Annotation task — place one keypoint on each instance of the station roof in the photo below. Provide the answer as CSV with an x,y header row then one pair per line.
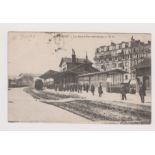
x,y
106,72
61,74
48,74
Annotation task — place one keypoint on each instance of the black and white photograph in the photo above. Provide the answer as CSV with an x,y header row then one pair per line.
x,y
79,77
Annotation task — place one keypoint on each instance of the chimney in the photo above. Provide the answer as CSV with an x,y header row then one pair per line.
x,y
86,58
132,39
73,56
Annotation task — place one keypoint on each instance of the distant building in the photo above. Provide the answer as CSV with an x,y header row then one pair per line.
x,y
22,80
124,56
12,83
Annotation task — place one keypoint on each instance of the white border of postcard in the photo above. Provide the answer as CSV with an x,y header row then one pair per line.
x,y
113,28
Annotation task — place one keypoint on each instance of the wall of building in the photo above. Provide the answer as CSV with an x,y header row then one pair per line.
x,y
123,56
108,81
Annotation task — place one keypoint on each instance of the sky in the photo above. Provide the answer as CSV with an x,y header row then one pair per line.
x,y
38,52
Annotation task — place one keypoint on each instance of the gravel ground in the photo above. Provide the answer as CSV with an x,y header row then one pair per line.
x,y
48,95
99,111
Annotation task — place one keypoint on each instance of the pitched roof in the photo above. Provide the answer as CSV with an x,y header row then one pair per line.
x,y
78,60
84,68
61,74
80,69
48,74
144,64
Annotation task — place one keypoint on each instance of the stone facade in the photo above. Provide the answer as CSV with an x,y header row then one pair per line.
x,y
124,55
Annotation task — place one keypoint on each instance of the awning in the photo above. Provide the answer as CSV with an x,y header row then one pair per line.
x,y
112,71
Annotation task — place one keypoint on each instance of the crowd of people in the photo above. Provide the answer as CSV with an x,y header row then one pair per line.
x,y
80,88
86,87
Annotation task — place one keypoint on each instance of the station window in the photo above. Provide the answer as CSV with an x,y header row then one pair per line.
x,y
126,77
103,67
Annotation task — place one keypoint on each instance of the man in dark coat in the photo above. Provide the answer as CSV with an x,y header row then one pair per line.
x,y
87,88
123,92
92,89
142,92
100,91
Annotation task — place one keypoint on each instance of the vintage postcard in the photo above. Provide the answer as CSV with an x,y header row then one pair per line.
x,y
64,77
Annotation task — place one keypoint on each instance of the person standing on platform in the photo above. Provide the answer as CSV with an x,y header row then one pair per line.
x,y
142,92
100,91
87,88
123,92
80,88
92,89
